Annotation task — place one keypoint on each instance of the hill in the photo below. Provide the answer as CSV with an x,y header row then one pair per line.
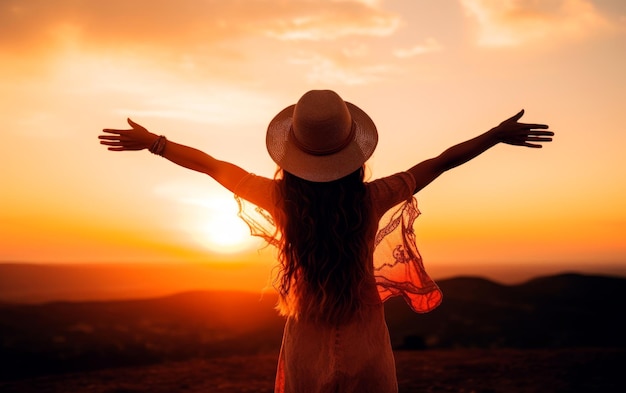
x,y
567,310
563,311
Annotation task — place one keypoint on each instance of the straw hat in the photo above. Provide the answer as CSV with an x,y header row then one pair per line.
x,y
321,138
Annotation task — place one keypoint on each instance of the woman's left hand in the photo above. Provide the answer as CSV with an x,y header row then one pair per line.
x,y
137,138
512,132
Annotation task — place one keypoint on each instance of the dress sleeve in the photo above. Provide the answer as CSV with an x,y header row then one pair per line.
x,y
398,266
256,197
389,191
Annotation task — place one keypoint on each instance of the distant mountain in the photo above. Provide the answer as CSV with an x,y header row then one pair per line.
x,y
567,310
38,283
35,283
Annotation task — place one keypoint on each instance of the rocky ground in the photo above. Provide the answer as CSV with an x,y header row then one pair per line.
x,y
462,370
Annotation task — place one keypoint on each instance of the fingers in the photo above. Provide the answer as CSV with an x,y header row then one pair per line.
x,y
113,131
110,137
525,135
515,118
115,140
518,116
134,125
527,126
123,148
526,144
116,145
540,133
110,140
117,137
119,142
539,138
528,141
531,126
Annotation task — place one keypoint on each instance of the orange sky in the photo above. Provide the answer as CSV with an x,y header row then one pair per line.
x,y
213,73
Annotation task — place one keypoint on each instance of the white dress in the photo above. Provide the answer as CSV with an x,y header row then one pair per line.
x,y
355,356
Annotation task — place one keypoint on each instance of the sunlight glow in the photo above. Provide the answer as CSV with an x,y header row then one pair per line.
x,y
206,216
223,234
218,228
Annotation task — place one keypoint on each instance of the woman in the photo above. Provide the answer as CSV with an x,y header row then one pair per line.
x,y
336,266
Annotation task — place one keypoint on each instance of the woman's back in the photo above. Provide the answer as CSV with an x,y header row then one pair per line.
x,y
325,245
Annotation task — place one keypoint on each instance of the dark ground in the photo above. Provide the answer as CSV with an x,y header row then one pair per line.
x,y
562,333
456,370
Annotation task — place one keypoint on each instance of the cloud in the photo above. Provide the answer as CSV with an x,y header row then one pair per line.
x,y
234,40
340,69
430,45
36,23
343,19
504,23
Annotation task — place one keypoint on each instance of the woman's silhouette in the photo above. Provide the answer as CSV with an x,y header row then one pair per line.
x,y
344,245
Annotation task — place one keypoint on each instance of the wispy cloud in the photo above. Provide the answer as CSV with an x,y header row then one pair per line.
x,y
430,45
516,22
188,22
330,70
331,22
209,39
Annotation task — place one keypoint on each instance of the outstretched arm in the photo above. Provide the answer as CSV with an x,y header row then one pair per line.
x,y
509,131
139,138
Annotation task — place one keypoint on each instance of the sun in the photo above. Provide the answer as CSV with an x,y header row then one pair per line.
x,y
219,229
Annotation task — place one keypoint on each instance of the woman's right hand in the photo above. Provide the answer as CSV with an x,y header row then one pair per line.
x,y
137,138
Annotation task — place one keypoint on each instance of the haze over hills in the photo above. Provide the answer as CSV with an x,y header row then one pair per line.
x,y
35,283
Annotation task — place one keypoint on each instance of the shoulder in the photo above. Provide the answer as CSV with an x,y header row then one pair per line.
x,y
259,190
401,182
388,191
250,180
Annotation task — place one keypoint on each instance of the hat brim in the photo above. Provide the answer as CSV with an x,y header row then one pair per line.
x,y
321,168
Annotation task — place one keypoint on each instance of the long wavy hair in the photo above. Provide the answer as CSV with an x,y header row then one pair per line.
x,y
323,247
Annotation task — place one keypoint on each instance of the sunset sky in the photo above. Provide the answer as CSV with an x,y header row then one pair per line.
x,y
213,73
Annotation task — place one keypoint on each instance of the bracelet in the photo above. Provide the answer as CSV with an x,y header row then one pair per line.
x,y
158,146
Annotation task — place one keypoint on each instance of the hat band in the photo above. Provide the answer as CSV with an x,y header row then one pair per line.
x,y
322,152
